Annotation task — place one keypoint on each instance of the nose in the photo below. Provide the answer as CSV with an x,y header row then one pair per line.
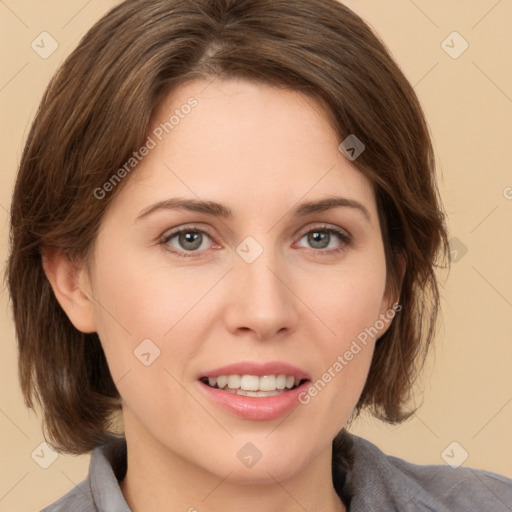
x,y
261,302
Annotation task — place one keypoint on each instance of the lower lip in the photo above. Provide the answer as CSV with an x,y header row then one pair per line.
x,y
255,407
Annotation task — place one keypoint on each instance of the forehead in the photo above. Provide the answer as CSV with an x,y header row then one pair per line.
x,y
244,144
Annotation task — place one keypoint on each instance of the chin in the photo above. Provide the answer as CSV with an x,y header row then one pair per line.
x,y
265,473
258,461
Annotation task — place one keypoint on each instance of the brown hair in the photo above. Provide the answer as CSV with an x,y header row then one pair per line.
x,y
95,114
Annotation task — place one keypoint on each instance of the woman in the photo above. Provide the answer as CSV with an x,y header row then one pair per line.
x,y
229,212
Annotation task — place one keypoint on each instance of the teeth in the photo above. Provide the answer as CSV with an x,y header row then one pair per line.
x,y
281,381
252,385
268,383
222,381
234,381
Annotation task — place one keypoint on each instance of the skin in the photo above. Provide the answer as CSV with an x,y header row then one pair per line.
x,y
260,151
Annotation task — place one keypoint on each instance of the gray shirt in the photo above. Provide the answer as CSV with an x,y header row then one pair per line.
x,y
365,478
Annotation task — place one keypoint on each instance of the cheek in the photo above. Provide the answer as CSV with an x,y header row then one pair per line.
x,y
348,301
139,296
136,312
136,309
349,305
147,320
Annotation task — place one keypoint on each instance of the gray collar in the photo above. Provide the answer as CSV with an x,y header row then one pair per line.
x,y
366,479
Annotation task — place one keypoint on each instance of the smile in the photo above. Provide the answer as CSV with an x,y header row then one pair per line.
x,y
254,385
254,390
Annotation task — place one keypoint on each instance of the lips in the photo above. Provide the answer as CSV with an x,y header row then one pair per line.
x,y
252,390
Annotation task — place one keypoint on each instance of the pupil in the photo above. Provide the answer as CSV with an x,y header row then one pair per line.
x,y
190,240
319,239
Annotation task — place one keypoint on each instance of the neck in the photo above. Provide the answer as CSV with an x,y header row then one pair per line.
x,y
158,480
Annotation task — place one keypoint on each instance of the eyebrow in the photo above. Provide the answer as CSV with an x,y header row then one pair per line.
x,y
219,210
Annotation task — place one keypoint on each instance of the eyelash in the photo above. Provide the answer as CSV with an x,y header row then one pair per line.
x,y
344,237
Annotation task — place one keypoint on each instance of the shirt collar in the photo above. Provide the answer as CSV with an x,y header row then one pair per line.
x,y
107,468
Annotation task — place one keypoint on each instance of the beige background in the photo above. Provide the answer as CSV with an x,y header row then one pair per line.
x,y
467,390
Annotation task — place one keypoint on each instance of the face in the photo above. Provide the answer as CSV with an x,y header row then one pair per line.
x,y
243,251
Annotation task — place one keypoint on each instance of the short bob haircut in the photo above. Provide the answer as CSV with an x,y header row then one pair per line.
x,y
96,112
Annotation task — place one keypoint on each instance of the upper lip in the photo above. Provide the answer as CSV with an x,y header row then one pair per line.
x,y
259,369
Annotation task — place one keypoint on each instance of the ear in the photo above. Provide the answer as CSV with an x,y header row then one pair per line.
x,y
69,285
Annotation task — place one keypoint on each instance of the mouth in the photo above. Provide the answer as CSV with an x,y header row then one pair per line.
x,y
254,385
255,390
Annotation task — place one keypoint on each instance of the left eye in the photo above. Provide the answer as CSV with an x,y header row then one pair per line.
x,y
188,240
323,238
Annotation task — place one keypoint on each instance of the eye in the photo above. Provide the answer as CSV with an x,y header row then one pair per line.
x,y
187,240
324,238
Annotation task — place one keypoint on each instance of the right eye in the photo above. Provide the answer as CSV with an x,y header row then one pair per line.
x,y
187,240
